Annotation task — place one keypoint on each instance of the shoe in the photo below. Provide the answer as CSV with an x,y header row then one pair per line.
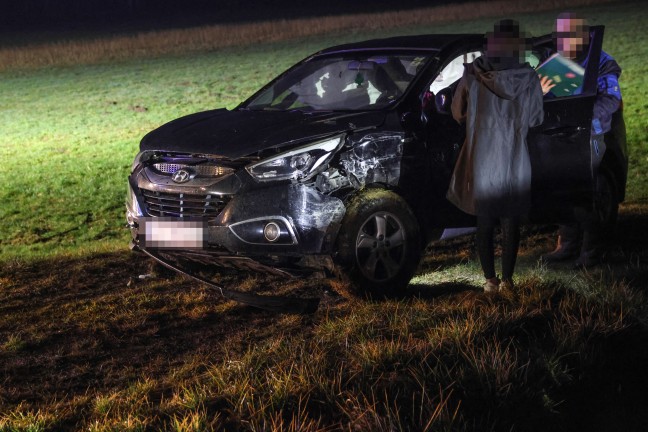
x,y
492,285
561,253
507,285
567,247
591,252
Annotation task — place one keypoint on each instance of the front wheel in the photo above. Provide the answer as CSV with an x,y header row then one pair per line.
x,y
379,244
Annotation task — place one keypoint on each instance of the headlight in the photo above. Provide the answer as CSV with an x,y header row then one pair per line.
x,y
141,158
299,164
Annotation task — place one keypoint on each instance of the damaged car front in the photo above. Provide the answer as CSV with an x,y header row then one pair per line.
x,y
302,176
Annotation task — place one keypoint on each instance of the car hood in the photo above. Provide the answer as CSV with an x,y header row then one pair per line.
x,y
238,133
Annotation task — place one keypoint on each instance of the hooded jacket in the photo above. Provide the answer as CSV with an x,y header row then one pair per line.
x,y
498,101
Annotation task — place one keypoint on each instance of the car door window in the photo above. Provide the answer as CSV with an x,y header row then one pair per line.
x,y
452,71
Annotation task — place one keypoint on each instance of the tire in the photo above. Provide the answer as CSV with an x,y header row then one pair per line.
x,y
606,202
379,244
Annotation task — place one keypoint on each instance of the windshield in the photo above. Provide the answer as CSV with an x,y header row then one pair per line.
x,y
364,81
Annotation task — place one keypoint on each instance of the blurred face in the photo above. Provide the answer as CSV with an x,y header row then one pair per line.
x,y
499,46
506,41
572,37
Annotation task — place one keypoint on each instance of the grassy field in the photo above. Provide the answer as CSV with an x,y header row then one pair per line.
x,y
85,344
79,126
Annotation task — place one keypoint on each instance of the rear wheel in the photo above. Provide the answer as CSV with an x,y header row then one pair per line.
x,y
379,244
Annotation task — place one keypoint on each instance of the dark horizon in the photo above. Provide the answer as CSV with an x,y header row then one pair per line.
x,y
134,15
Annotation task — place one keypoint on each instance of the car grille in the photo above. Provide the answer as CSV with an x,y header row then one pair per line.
x,y
163,204
202,170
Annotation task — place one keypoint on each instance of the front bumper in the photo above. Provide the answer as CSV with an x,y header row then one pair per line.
x,y
307,220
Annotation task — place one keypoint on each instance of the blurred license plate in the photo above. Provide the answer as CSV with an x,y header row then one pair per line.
x,y
169,233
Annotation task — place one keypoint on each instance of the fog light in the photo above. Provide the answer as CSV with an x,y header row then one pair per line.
x,y
271,232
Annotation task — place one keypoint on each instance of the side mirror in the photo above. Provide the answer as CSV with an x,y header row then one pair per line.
x,y
443,101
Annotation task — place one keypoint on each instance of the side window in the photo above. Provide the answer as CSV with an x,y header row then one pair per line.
x,y
452,71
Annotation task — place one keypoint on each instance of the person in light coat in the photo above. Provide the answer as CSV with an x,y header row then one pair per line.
x,y
498,98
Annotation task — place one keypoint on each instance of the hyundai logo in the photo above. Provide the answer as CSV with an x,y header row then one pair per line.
x,y
183,175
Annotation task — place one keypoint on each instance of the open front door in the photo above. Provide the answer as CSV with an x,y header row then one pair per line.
x,y
560,148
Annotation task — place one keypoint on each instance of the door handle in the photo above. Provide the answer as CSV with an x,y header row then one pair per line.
x,y
563,131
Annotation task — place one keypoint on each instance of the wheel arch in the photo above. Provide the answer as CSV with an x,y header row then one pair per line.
x,y
411,203
382,204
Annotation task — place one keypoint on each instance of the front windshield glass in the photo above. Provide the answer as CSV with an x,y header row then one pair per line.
x,y
360,82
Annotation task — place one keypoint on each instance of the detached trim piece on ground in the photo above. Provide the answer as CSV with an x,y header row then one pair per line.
x,y
269,303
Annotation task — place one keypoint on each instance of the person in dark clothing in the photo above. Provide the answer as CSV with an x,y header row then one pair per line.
x,y
498,98
583,240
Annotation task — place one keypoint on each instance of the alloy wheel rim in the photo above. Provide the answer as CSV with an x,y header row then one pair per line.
x,y
380,246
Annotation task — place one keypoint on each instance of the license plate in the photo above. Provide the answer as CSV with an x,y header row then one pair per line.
x,y
169,233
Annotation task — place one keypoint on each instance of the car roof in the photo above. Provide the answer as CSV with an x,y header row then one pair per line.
x,y
428,42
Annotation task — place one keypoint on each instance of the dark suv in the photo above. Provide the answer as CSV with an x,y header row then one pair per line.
x,y
343,162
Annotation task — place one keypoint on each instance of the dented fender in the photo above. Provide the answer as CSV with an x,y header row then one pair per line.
x,y
309,217
373,158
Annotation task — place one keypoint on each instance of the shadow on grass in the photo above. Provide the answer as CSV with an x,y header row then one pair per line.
x,y
436,290
627,257
70,325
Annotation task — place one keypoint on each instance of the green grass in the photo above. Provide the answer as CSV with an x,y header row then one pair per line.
x,y
166,355
70,134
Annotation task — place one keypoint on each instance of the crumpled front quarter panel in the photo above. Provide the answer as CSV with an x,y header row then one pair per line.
x,y
314,216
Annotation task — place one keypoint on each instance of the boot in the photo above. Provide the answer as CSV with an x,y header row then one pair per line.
x,y
567,247
492,285
591,252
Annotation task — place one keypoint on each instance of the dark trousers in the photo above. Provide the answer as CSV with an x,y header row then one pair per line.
x,y
510,227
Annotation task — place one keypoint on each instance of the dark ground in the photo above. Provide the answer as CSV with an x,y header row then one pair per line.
x,y
91,325
63,291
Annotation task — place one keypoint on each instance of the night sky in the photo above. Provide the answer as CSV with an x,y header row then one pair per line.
x,y
25,15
